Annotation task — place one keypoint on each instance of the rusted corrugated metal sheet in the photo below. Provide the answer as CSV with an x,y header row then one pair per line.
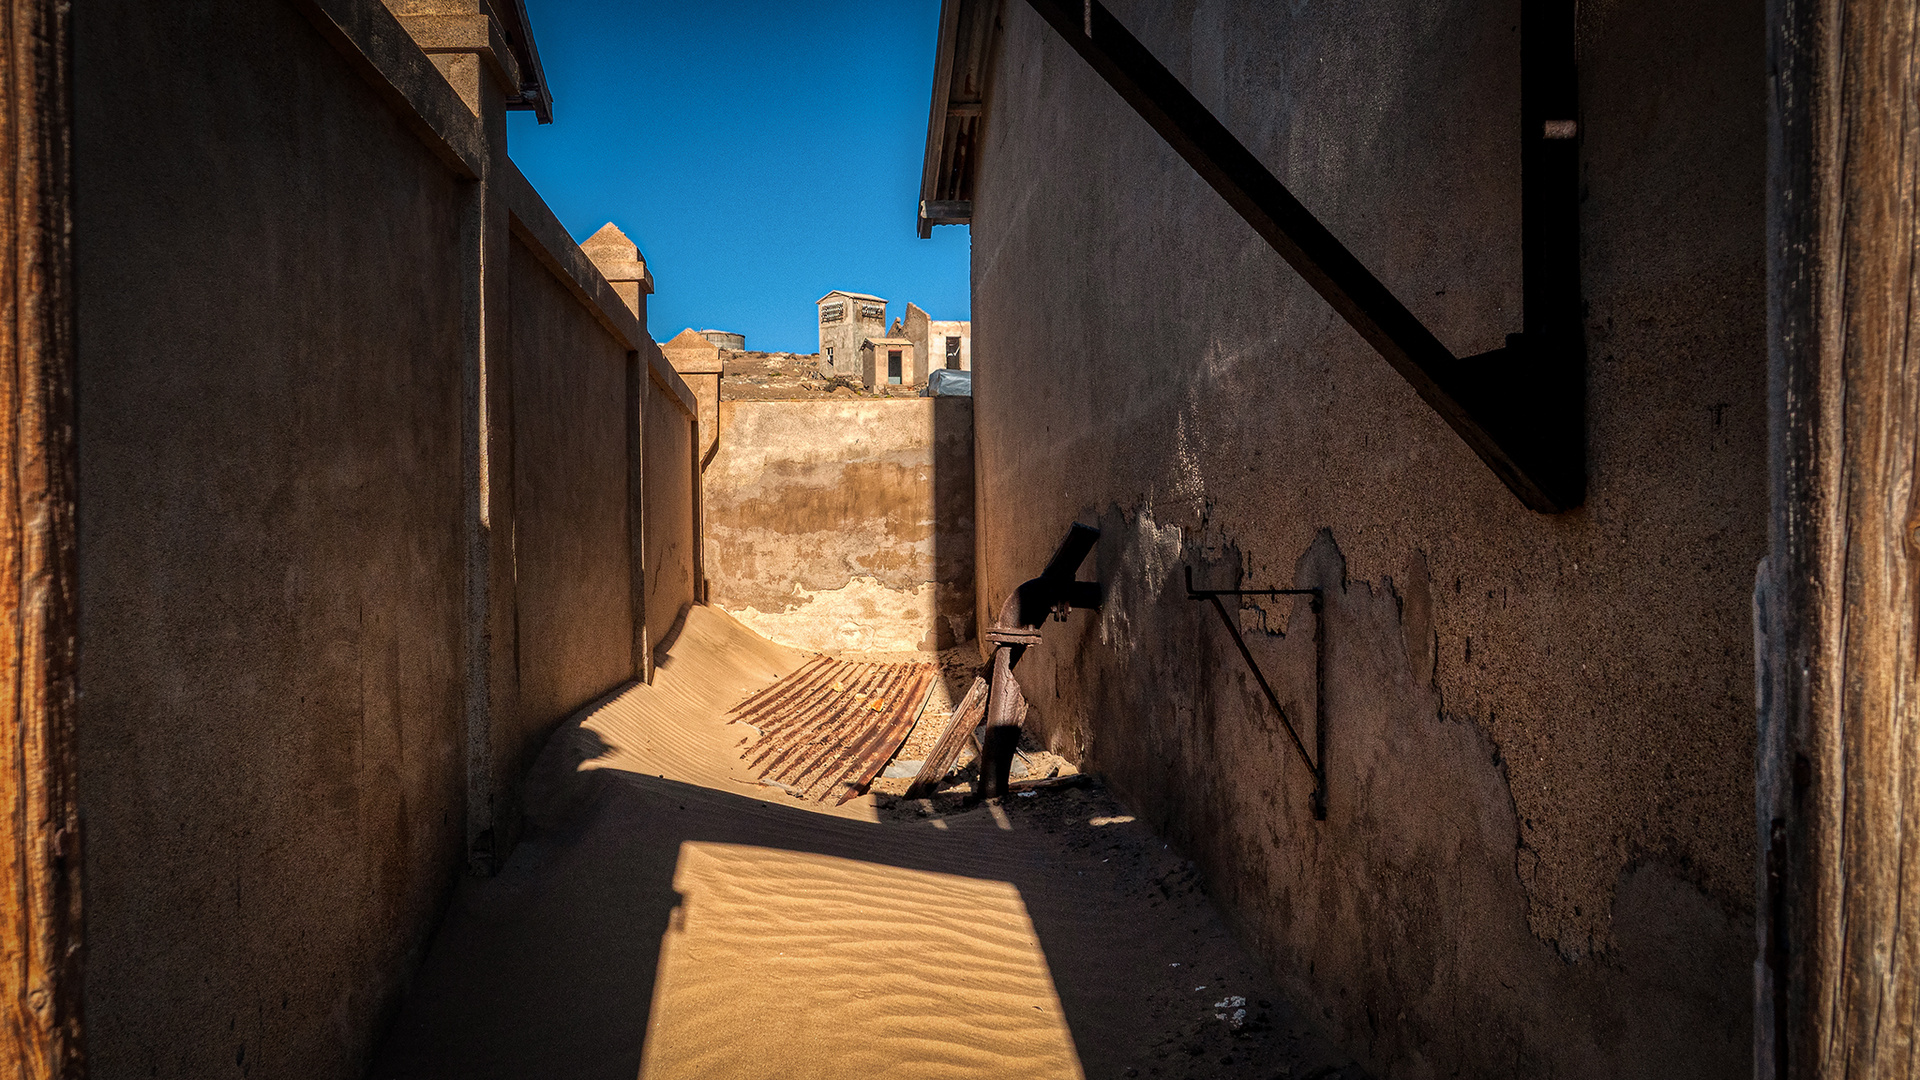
x,y
828,728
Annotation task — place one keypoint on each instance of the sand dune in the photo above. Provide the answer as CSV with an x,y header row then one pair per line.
x,y
676,728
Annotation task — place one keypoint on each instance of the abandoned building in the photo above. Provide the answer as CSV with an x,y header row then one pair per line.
x,y
846,321
1429,587
938,343
855,325
887,361
726,339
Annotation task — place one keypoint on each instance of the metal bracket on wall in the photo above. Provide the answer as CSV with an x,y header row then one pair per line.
x,y
1315,762
1521,408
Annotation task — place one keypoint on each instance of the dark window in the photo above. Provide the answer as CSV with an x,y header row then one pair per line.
x,y
893,366
953,354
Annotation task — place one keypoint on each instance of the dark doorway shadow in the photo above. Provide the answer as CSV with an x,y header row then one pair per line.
x,y
953,522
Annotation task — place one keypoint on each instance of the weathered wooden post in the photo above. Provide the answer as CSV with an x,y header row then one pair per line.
x,y
1837,601
40,923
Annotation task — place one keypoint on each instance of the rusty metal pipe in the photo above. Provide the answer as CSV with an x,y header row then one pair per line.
x,y
1054,592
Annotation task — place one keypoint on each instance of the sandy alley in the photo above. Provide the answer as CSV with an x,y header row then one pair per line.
x,y
666,918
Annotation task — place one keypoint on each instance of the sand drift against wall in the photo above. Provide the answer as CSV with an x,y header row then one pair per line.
x,y
670,917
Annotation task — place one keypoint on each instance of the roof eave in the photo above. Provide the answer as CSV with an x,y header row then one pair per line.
x,y
957,111
534,94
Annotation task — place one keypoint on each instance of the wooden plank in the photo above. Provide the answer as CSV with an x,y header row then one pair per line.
x,y
946,750
1049,783
947,212
40,916
1837,600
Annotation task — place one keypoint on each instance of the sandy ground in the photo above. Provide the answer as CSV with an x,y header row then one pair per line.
x,y
668,917
958,668
764,376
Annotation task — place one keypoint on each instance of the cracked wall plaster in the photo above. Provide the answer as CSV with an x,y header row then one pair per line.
x,y
1549,717
844,524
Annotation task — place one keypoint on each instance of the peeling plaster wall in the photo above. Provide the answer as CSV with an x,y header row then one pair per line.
x,y
1537,859
844,525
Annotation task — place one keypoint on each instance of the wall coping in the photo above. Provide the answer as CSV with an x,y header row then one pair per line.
x,y
384,54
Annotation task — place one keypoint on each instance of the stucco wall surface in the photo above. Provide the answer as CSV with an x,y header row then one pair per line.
x,y
271,750
574,611
844,524
670,516
698,364
1537,858
938,330
929,337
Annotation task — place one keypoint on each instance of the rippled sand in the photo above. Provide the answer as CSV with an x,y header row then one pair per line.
x,y
668,917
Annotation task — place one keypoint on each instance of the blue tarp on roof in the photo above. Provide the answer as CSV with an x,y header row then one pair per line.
x,y
945,383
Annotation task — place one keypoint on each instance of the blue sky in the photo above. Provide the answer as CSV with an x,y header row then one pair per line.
x,y
759,152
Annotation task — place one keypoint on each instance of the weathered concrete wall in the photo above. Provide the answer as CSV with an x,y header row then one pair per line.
x,y
321,628
1537,859
270,382
916,329
706,397
844,524
938,330
929,337
672,513
574,622
697,360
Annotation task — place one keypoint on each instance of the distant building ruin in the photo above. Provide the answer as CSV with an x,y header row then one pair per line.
x,y
888,361
850,322
846,320
938,343
726,339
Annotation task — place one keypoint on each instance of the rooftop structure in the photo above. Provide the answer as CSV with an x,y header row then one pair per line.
x,y
887,361
846,320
